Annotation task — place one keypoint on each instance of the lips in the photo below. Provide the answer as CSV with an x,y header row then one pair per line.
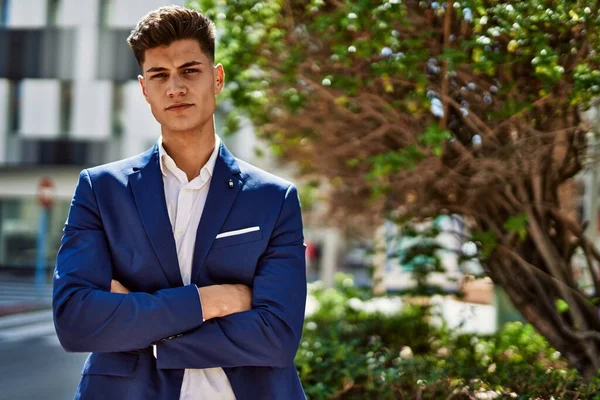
x,y
177,107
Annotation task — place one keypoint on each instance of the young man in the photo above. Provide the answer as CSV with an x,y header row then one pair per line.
x,y
182,269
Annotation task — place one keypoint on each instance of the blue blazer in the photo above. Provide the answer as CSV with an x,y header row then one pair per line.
x,y
118,228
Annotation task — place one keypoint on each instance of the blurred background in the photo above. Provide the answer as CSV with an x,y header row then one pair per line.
x,y
406,299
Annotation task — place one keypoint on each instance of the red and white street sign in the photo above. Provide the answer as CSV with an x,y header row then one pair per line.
x,y
45,192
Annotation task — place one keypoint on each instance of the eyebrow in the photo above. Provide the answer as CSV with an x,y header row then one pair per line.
x,y
186,65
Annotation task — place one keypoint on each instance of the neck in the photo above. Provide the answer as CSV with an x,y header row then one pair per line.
x,y
190,149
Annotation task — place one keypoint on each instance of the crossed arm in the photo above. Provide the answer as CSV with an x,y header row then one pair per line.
x,y
88,317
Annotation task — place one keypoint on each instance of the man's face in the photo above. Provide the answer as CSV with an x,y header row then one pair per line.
x,y
180,83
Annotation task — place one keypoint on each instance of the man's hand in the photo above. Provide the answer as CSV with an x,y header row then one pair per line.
x,y
116,287
217,300
222,300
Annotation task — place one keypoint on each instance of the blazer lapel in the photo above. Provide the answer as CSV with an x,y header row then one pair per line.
x,y
149,194
221,196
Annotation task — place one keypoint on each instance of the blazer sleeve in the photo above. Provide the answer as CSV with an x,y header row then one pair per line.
x,y
87,317
268,334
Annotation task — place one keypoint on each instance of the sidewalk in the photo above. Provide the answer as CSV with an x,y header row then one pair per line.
x,y
18,294
28,325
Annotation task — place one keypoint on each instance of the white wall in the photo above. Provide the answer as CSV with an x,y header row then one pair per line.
x,y
86,53
27,13
77,13
139,125
244,141
83,16
92,101
91,115
126,13
24,181
40,108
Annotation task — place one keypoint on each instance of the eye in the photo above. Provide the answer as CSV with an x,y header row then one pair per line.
x,y
161,75
190,70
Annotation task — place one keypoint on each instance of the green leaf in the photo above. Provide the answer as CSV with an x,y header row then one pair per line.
x,y
232,124
352,162
454,56
434,137
391,162
487,240
518,225
561,305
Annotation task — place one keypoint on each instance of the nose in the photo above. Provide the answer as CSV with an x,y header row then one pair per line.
x,y
176,86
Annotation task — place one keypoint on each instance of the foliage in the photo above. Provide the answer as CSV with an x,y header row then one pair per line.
x,y
346,354
420,252
518,225
409,108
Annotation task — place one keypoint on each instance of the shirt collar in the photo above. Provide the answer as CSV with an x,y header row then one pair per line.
x,y
166,160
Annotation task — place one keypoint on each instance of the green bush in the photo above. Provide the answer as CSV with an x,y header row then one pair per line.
x,y
347,353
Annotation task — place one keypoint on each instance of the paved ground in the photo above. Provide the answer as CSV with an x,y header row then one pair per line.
x,y
19,294
33,365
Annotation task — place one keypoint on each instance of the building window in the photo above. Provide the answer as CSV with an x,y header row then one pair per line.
x,y
62,151
118,114
52,15
4,4
66,90
19,222
120,63
104,12
37,53
15,90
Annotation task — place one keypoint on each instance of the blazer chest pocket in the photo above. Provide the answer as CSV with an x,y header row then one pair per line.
x,y
113,364
232,238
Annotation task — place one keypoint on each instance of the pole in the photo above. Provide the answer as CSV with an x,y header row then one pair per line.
x,y
40,269
379,261
590,209
330,256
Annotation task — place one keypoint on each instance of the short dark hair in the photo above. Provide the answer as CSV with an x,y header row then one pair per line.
x,y
167,24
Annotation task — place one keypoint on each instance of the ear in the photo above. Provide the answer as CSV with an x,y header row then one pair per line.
x,y
219,74
142,82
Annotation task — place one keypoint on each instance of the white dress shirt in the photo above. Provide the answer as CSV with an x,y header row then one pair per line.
x,y
185,204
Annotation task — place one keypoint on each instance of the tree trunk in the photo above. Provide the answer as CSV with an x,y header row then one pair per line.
x,y
536,273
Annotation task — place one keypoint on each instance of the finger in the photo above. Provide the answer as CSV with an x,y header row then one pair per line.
x,y
123,289
114,284
117,287
245,289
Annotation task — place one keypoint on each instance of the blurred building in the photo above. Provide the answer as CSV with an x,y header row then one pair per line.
x,y
69,99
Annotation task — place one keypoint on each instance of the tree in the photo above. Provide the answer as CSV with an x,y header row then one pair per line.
x,y
412,109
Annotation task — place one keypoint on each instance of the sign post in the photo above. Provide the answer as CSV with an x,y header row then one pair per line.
x,y
45,194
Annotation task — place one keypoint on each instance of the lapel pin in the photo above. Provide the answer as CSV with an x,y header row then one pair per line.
x,y
231,184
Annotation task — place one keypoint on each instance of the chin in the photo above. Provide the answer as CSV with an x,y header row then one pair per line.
x,y
182,127
184,123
